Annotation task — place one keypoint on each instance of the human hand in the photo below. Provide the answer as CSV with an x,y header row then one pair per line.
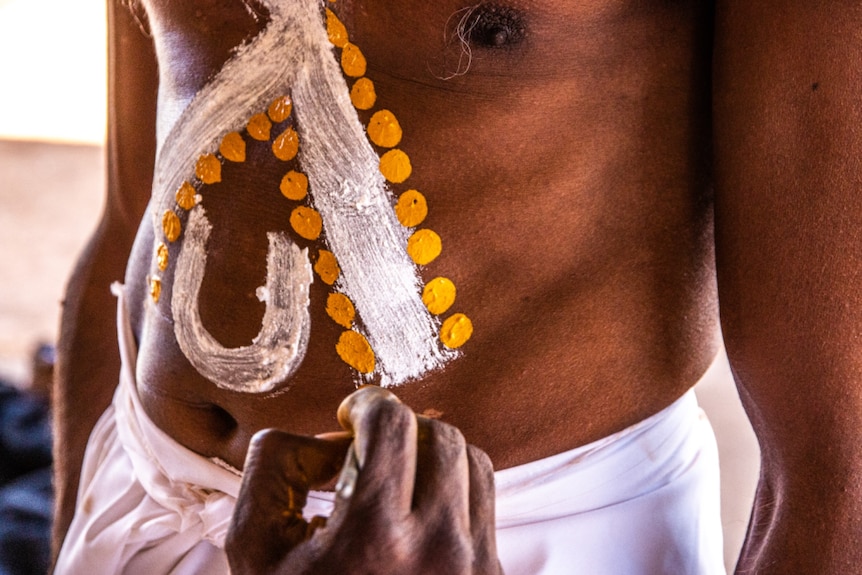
x,y
412,498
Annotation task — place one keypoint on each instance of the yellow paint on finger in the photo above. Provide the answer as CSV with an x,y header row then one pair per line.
x,y
353,60
456,330
259,127
353,348
327,267
395,166
439,295
171,225
384,129
186,196
411,208
335,29
280,109
362,94
294,185
208,169
286,146
341,309
306,222
424,246
233,147
162,256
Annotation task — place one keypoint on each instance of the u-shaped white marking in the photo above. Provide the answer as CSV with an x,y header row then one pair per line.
x,y
277,351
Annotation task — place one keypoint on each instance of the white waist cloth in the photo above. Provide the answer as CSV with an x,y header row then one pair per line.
x,y
642,501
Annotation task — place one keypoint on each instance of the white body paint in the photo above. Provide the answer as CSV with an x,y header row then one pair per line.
x,y
277,351
293,55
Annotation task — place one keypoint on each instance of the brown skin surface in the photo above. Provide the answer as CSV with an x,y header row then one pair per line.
x,y
790,256
569,174
574,265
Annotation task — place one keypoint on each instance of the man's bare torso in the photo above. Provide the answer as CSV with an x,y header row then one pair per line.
x,y
563,150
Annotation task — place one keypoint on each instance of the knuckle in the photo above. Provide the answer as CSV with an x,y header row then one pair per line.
x,y
386,436
387,416
442,436
481,467
480,460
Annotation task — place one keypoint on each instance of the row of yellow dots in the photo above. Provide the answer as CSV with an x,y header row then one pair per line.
x,y
424,245
304,220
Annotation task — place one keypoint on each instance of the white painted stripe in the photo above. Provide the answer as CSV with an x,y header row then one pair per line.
x,y
361,227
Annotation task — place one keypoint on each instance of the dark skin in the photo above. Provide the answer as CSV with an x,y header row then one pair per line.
x,y
419,495
572,173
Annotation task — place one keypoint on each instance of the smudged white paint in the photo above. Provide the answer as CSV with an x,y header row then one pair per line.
x,y
362,229
277,351
293,54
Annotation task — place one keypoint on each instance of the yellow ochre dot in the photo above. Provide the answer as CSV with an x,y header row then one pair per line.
x,y
352,60
171,225
353,348
456,330
259,127
411,208
384,129
233,147
155,289
186,196
340,309
439,295
327,267
306,222
362,94
395,166
162,256
208,169
294,185
286,145
424,246
335,29
280,109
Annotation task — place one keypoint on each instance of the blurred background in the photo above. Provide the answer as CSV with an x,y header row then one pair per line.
x,y
52,126
52,129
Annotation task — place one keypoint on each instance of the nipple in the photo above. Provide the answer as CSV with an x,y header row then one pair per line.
x,y
493,25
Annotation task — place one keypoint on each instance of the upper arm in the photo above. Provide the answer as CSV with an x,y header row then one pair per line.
x,y
88,362
788,143
132,94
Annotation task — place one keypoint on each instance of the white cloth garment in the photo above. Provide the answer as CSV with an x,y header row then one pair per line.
x,y
642,501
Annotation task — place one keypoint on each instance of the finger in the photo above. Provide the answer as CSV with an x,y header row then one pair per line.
x,y
279,470
384,448
442,489
482,515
